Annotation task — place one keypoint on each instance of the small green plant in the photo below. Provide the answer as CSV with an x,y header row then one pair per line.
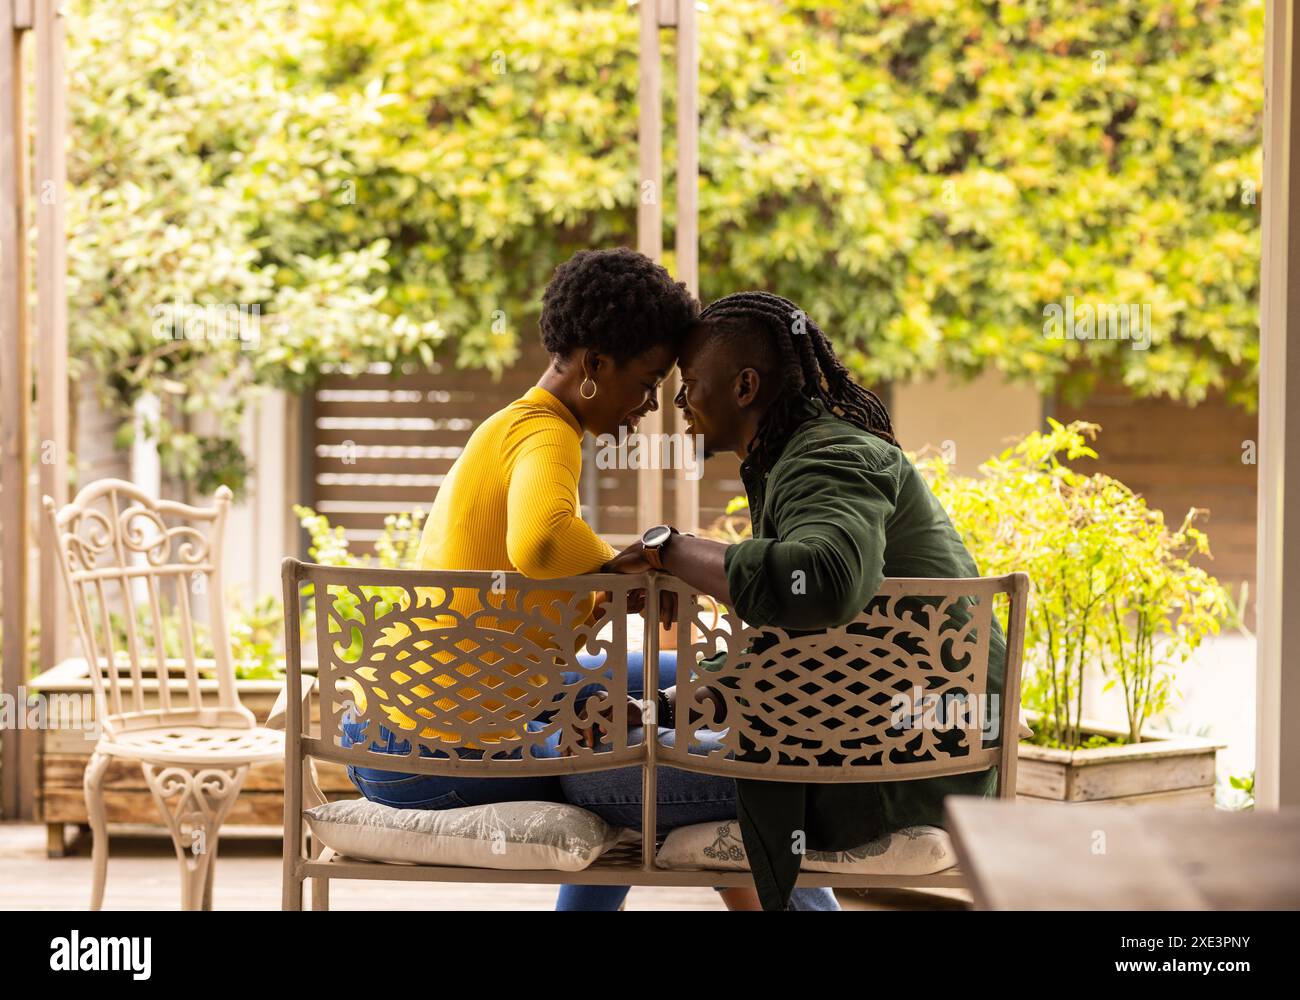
x,y
1240,795
256,638
733,525
1238,608
396,548
171,634
1112,583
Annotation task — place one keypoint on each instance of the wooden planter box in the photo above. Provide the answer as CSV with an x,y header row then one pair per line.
x,y
1165,769
63,749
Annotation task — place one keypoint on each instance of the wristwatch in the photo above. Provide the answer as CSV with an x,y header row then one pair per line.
x,y
653,543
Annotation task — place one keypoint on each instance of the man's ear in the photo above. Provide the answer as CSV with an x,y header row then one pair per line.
x,y
748,383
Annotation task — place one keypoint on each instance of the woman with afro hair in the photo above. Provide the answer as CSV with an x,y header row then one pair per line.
x,y
612,322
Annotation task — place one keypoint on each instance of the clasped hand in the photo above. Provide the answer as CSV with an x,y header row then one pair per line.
x,y
590,736
631,561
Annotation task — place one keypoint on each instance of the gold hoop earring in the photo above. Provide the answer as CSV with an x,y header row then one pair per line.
x,y
582,389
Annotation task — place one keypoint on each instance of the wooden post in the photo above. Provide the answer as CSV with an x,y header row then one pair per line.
x,y
679,14
686,514
1277,739
15,389
51,314
649,225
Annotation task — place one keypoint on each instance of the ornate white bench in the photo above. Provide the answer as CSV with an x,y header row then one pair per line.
x,y
825,707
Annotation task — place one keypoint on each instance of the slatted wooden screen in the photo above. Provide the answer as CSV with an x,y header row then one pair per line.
x,y
1179,457
382,444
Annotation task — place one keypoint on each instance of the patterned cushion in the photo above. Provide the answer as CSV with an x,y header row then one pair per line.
x,y
914,850
510,835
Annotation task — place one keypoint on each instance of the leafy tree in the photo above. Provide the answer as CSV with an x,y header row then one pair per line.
x,y
189,161
387,178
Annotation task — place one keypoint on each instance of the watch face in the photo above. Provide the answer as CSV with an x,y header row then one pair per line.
x,y
656,536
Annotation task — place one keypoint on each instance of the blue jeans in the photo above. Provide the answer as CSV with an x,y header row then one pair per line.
x,y
684,797
432,791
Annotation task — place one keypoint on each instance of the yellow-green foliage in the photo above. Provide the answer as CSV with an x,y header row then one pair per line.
x,y
391,178
1112,583
396,547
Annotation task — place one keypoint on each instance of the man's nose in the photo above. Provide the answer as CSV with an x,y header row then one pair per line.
x,y
680,399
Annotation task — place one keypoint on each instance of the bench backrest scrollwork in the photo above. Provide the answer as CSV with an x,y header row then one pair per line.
x,y
916,686
478,673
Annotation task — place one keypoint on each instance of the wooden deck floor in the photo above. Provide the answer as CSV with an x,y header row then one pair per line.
x,y
143,874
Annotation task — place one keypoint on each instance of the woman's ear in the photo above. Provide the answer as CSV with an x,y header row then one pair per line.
x,y
593,362
747,386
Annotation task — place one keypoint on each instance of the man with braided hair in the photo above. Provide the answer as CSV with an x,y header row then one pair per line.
x,y
836,506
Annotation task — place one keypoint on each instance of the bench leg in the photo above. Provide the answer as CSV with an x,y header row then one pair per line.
x,y
207,885
291,898
320,887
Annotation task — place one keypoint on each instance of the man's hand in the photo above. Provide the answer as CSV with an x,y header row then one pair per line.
x,y
630,560
591,736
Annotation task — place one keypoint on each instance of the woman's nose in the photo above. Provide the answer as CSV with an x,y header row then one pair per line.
x,y
654,398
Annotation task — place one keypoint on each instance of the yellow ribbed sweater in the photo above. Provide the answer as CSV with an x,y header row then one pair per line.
x,y
510,501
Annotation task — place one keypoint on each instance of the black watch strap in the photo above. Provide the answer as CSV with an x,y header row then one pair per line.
x,y
665,712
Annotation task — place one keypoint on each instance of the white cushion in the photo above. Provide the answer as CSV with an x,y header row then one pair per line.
x,y
530,836
913,850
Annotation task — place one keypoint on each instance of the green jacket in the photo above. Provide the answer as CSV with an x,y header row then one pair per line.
x,y
846,509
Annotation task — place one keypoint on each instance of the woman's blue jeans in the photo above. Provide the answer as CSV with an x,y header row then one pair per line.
x,y
684,797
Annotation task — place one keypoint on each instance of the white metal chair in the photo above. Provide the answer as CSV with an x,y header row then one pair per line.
x,y
124,553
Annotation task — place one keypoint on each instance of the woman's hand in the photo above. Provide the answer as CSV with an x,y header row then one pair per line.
x,y
591,736
667,605
603,606
636,605
703,695
632,561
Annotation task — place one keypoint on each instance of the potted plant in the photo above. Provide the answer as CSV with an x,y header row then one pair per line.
x,y
1114,590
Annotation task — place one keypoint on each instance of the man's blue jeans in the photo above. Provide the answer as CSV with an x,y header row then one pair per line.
x,y
684,797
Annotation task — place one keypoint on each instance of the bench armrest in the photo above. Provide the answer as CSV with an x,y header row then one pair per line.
x,y
280,710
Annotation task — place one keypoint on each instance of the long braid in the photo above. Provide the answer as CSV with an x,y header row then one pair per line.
x,y
808,368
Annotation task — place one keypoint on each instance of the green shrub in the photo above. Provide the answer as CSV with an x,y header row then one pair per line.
x,y
255,637
391,178
1113,585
